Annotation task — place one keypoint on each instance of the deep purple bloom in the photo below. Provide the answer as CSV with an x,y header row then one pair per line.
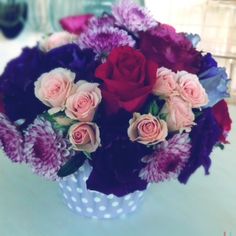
x,y
207,63
17,81
203,136
45,149
70,56
116,165
168,159
11,140
170,49
17,85
132,16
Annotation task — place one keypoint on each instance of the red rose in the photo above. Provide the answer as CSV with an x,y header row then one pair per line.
x,y
221,113
1,104
128,79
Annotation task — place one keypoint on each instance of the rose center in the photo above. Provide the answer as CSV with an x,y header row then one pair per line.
x,y
81,136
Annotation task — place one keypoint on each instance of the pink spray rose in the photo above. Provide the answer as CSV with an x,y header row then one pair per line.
x,y
83,103
179,114
85,136
191,90
165,82
56,40
54,87
147,129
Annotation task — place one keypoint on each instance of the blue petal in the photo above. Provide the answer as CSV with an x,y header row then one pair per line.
x,y
193,38
216,83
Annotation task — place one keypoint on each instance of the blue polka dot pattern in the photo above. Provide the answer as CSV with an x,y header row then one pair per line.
x,y
94,204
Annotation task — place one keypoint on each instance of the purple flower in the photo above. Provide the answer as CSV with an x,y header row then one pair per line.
x,y
45,149
203,136
132,16
117,163
11,140
17,81
167,160
103,21
103,39
170,49
207,62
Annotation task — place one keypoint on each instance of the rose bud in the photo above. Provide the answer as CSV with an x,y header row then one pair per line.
x,y
165,82
83,103
179,114
56,40
85,136
191,90
147,129
54,87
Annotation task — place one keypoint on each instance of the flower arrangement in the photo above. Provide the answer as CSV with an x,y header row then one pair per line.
x,y
127,94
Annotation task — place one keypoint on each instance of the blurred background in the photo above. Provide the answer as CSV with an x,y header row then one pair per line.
x,y
213,20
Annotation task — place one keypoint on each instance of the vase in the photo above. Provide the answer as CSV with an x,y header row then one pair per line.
x,y
94,204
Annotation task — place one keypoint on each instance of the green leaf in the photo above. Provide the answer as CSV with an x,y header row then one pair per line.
x,y
221,146
72,165
88,155
197,114
153,108
163,116
59,121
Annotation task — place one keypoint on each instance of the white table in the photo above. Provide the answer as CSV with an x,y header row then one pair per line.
x,y
31,206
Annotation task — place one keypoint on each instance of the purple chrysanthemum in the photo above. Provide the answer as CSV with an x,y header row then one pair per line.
x,y
168,159
103,21
45,149
102,40
11,140
132,16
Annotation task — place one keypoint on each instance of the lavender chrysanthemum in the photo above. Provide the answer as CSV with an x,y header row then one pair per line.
x,y
168,159
102,40
45,149
11,140
132,16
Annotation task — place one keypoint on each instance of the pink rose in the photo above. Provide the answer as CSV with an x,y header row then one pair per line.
x,y
179,114
191,90
147,129
83,103
84,136
54,87
56,40
165,82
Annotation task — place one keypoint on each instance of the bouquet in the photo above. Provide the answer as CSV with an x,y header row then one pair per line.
x,y
121,95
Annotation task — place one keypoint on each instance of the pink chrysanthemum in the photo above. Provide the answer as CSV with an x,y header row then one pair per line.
x,y
103,39
168,159
11,140
45,149
132,16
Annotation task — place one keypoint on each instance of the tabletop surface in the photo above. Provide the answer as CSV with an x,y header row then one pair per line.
x,y
206,206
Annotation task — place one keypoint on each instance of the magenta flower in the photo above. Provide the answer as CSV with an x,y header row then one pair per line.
x,y
168,159
45,149
11,140
132,16
102,40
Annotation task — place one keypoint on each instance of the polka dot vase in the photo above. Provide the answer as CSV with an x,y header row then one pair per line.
x,y
94,204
